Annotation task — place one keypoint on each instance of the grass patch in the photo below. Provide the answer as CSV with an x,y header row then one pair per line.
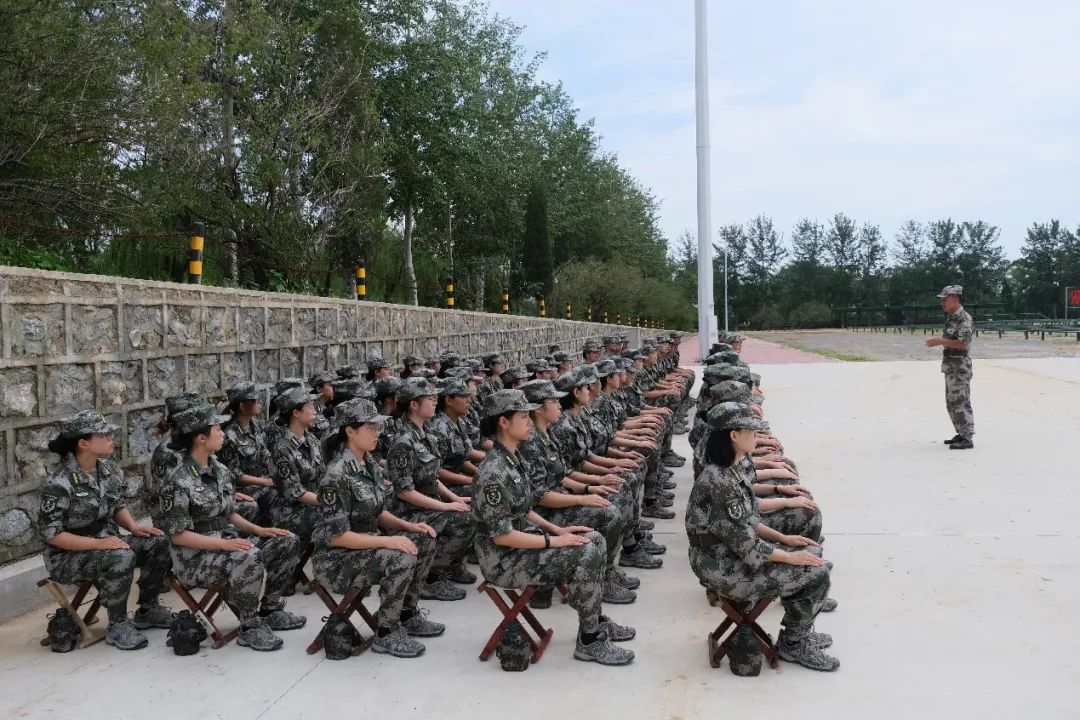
x,y
826,352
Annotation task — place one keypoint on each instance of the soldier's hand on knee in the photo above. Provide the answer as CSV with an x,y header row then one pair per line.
x,y
800,502
593,501
801,558
423,528
792,490
146,531
399,543
568,540
798,541
112,543
237,544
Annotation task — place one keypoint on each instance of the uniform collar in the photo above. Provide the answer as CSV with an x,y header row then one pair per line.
x,y
78,475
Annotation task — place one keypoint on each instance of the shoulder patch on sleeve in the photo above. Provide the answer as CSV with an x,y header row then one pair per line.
x,y
48,503
492,495
398,458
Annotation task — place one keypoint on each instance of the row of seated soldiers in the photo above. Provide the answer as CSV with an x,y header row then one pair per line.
x,y
754,528
543,475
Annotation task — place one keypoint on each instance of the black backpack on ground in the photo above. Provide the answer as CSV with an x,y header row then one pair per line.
x,y
339,638
744,653
514,651
186,633
63,631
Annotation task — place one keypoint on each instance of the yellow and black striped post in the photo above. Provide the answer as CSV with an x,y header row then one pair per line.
x,y
605,316
361,280
569,312
449,286
543,307
588,313
618,318
195,252
505,301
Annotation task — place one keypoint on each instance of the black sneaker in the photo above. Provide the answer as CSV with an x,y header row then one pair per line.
x,y
953,439
962,444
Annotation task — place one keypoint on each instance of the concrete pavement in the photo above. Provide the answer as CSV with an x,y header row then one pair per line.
x,y
956,573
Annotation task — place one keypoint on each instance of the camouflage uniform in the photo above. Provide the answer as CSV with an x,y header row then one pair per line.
x,y
202,500
76,501
728,556
956,366
298,467
164,459
245,452
413,464
503,499
453,441
352,494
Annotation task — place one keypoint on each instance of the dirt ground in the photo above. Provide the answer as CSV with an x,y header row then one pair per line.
x,y
851,345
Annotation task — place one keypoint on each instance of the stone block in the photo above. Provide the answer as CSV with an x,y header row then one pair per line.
x,y
204,374
18,392
398,318
165,377
314,359
15,527
236,367
93,329
278,326
304,329
266,366
30,285
347,323
141,437
326,324
32,456
335,356
68,388
121,383
252,329
185,326
143,329
220,326
37,330
289,363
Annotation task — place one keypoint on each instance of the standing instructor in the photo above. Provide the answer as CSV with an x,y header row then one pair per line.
x,y
956,366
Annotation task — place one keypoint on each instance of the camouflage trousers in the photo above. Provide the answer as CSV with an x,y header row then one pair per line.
x,y
582,568
113,571
612,522
295,517
958,397
801,590
259,512
793,521
455,533
399,575
259,574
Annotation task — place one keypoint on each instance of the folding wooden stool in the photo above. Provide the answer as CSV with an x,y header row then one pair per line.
x,y
87,636
518,605
719,644
204,608
300,576
352,602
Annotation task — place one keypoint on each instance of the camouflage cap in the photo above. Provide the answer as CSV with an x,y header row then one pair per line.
x,y
292,399
948,290
349,371
415,388
624,337
465,374
633,355
377,364
591,346
718,373
506,401
455,386
345,390
85,422
731,391
606,367
475,365
494,359
610,339
357,412
560,357
424,372
663,339
434,360
554,349
647,348
720,347
733,416
627,365
514,374
589,373
570,380
240,392
537,391
412,360
181,402
287,384
385,387
449,356
197,418
321,378
537,366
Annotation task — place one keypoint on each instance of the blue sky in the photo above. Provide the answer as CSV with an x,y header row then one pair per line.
x,y
885,111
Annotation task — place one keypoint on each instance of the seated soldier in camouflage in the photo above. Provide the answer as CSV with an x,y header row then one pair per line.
x,y
517,547
298,464
744,560
494,364
201,521
164,458
275,432
378,369
564,501
322,384
350,552
246,453
451,432
386,391
412,466
82,505
572,434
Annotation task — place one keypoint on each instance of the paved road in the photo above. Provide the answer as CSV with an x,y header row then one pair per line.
x,y
957,576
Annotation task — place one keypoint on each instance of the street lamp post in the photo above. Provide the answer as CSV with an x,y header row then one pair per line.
x,y
706,312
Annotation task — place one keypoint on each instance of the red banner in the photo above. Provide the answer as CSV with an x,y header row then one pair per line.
x,y
1074,296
